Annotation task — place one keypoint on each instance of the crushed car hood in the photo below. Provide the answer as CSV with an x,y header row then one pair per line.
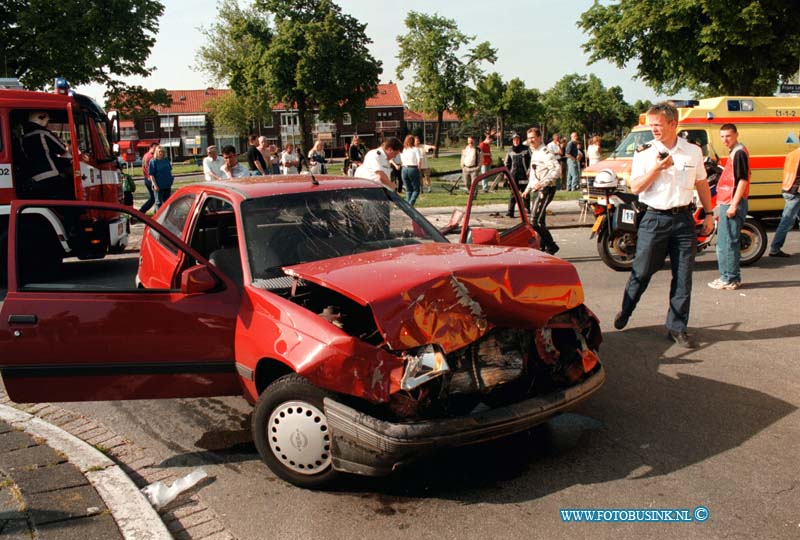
x,y
449,294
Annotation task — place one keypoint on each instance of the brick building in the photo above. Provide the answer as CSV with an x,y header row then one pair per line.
x,y
185,128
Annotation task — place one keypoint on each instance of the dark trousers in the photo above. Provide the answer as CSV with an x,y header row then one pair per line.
x,y
543,198
661,234
55,187
162,195
148,204
512,202
410,177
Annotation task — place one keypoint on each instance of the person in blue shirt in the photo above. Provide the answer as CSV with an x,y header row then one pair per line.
x,y
160,170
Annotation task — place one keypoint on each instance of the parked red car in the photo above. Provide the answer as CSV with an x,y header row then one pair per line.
x,y
363,337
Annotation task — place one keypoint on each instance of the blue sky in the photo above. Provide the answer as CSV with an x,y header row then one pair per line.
x,y
537,41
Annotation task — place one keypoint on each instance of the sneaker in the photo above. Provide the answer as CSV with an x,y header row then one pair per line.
x,y
717,284
682,339
509,214
732,286
620,320
779,253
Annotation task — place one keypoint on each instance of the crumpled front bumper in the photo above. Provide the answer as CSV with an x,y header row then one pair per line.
x,y
366,445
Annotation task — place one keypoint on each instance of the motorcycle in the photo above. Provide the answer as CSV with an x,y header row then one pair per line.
x,y
617,216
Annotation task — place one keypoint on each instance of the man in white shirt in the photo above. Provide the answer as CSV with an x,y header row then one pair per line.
x,y
232,168
376,163
470,161
212,165
555,148
665,175
544,175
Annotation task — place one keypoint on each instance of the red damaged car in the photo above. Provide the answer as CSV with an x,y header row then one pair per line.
x,y
363,337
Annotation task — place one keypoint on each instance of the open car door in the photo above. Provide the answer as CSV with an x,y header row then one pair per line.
x,y
521,234
78,330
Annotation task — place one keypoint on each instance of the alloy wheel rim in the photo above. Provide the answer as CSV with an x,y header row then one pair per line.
x,y
299,437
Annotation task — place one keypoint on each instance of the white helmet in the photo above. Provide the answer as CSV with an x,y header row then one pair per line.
x,y
39,117
606,179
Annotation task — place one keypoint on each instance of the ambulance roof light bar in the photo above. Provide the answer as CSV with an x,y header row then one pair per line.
x,y
687,103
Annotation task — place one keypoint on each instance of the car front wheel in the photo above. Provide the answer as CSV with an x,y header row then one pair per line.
x,y
291,432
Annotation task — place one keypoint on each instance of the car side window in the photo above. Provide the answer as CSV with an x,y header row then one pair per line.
x,y
54,253
174,219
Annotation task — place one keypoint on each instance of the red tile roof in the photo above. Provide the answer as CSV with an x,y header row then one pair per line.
x,y
194,101
414,116
388,96
190,101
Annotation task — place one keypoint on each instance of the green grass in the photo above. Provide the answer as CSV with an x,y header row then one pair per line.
x,y
440,196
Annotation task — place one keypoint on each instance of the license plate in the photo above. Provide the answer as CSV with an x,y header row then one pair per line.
x,y
597,223
628,216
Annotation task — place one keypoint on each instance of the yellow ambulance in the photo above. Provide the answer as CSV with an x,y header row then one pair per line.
x,y
768,126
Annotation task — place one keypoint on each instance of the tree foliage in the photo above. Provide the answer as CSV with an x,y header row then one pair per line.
x,y
581,103
85,42
511,103
235,114
431,48
304,53
712,47
240,59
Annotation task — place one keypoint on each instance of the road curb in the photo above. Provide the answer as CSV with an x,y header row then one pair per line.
x,y
135,517
187,518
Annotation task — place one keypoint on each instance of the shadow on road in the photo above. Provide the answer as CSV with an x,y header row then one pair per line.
x,y
642,424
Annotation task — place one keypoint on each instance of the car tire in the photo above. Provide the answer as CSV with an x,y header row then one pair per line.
x,y
291,432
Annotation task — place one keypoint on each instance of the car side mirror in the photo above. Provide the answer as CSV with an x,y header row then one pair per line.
x,y
197,279
485,236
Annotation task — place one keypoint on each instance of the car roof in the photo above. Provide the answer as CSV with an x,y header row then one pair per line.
x,y
254,187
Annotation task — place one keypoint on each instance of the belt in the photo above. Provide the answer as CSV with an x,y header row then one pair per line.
x,y
411,166
676,210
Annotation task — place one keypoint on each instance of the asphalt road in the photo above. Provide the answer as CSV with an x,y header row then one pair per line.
x,y
716,427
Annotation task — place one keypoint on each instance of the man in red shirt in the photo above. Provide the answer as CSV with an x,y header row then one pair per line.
x,y
147,180
486,157
733,188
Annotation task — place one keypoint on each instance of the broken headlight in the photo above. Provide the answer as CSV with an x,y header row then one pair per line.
x,y
422,365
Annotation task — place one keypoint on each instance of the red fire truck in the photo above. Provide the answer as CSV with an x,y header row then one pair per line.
x,y
93,175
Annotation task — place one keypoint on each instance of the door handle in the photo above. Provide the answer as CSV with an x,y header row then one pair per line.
x,y
22,319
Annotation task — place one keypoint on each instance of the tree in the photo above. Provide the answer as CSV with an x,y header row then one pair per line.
x,y
241,60
84,42
509,103
711,47
583,104
312,57
441,77
232,113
